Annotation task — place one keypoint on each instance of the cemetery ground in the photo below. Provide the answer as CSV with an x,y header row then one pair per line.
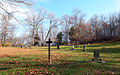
x,y
63,61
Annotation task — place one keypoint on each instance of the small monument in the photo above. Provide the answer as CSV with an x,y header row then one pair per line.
x,y
84,50
29,47
21,46
58,46
88,44
49,41
73,47
96,56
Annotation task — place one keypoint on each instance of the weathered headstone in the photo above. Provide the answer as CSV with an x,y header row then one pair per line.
x,y
21,46
29,46
76,44
96,56
84,48
73,47
49,41
58,46
88,44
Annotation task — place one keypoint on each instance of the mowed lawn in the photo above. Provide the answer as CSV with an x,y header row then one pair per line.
x,y
17,61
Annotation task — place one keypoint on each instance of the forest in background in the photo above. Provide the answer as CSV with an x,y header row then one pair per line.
x,y
41,24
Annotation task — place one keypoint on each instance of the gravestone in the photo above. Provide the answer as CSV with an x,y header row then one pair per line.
x,y
73,47
29,46
96,56
21,46
49,41
88,44
84,50
58,46
76,44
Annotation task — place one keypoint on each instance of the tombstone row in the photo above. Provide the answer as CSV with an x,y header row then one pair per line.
x,y
84,48
96,52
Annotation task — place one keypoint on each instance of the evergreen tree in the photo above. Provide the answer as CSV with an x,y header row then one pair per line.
x,y
36,40
71,34
59,37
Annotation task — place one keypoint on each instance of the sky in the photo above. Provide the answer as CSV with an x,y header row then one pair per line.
x,y
89,7
63,7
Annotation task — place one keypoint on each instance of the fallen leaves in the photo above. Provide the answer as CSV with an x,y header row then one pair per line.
x,y
10,52
35,61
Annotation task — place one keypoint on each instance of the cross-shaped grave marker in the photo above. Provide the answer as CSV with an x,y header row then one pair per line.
x,y
49,41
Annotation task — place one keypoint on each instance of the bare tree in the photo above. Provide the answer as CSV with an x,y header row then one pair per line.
x,y
66,27
118,25
8,5
94,21
35,23
4,4
6,27
53,23
78,22
112,24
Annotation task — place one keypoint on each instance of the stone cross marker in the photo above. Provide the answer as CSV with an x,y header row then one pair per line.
x,y
49,41
96,54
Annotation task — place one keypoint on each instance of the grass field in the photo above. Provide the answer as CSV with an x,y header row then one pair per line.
x,y
16,61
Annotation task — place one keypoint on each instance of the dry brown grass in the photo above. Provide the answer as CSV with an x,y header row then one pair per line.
x,y
9,52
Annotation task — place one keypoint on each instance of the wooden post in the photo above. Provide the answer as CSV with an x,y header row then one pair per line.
x,y
49,41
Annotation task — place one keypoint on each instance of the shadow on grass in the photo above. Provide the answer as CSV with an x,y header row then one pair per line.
x,y
66,48
107,44
73,66
107,50
114,61
6,68
63,66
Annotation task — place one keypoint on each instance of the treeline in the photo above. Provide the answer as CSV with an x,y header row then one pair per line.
x,y
41,25
96,29
9,21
